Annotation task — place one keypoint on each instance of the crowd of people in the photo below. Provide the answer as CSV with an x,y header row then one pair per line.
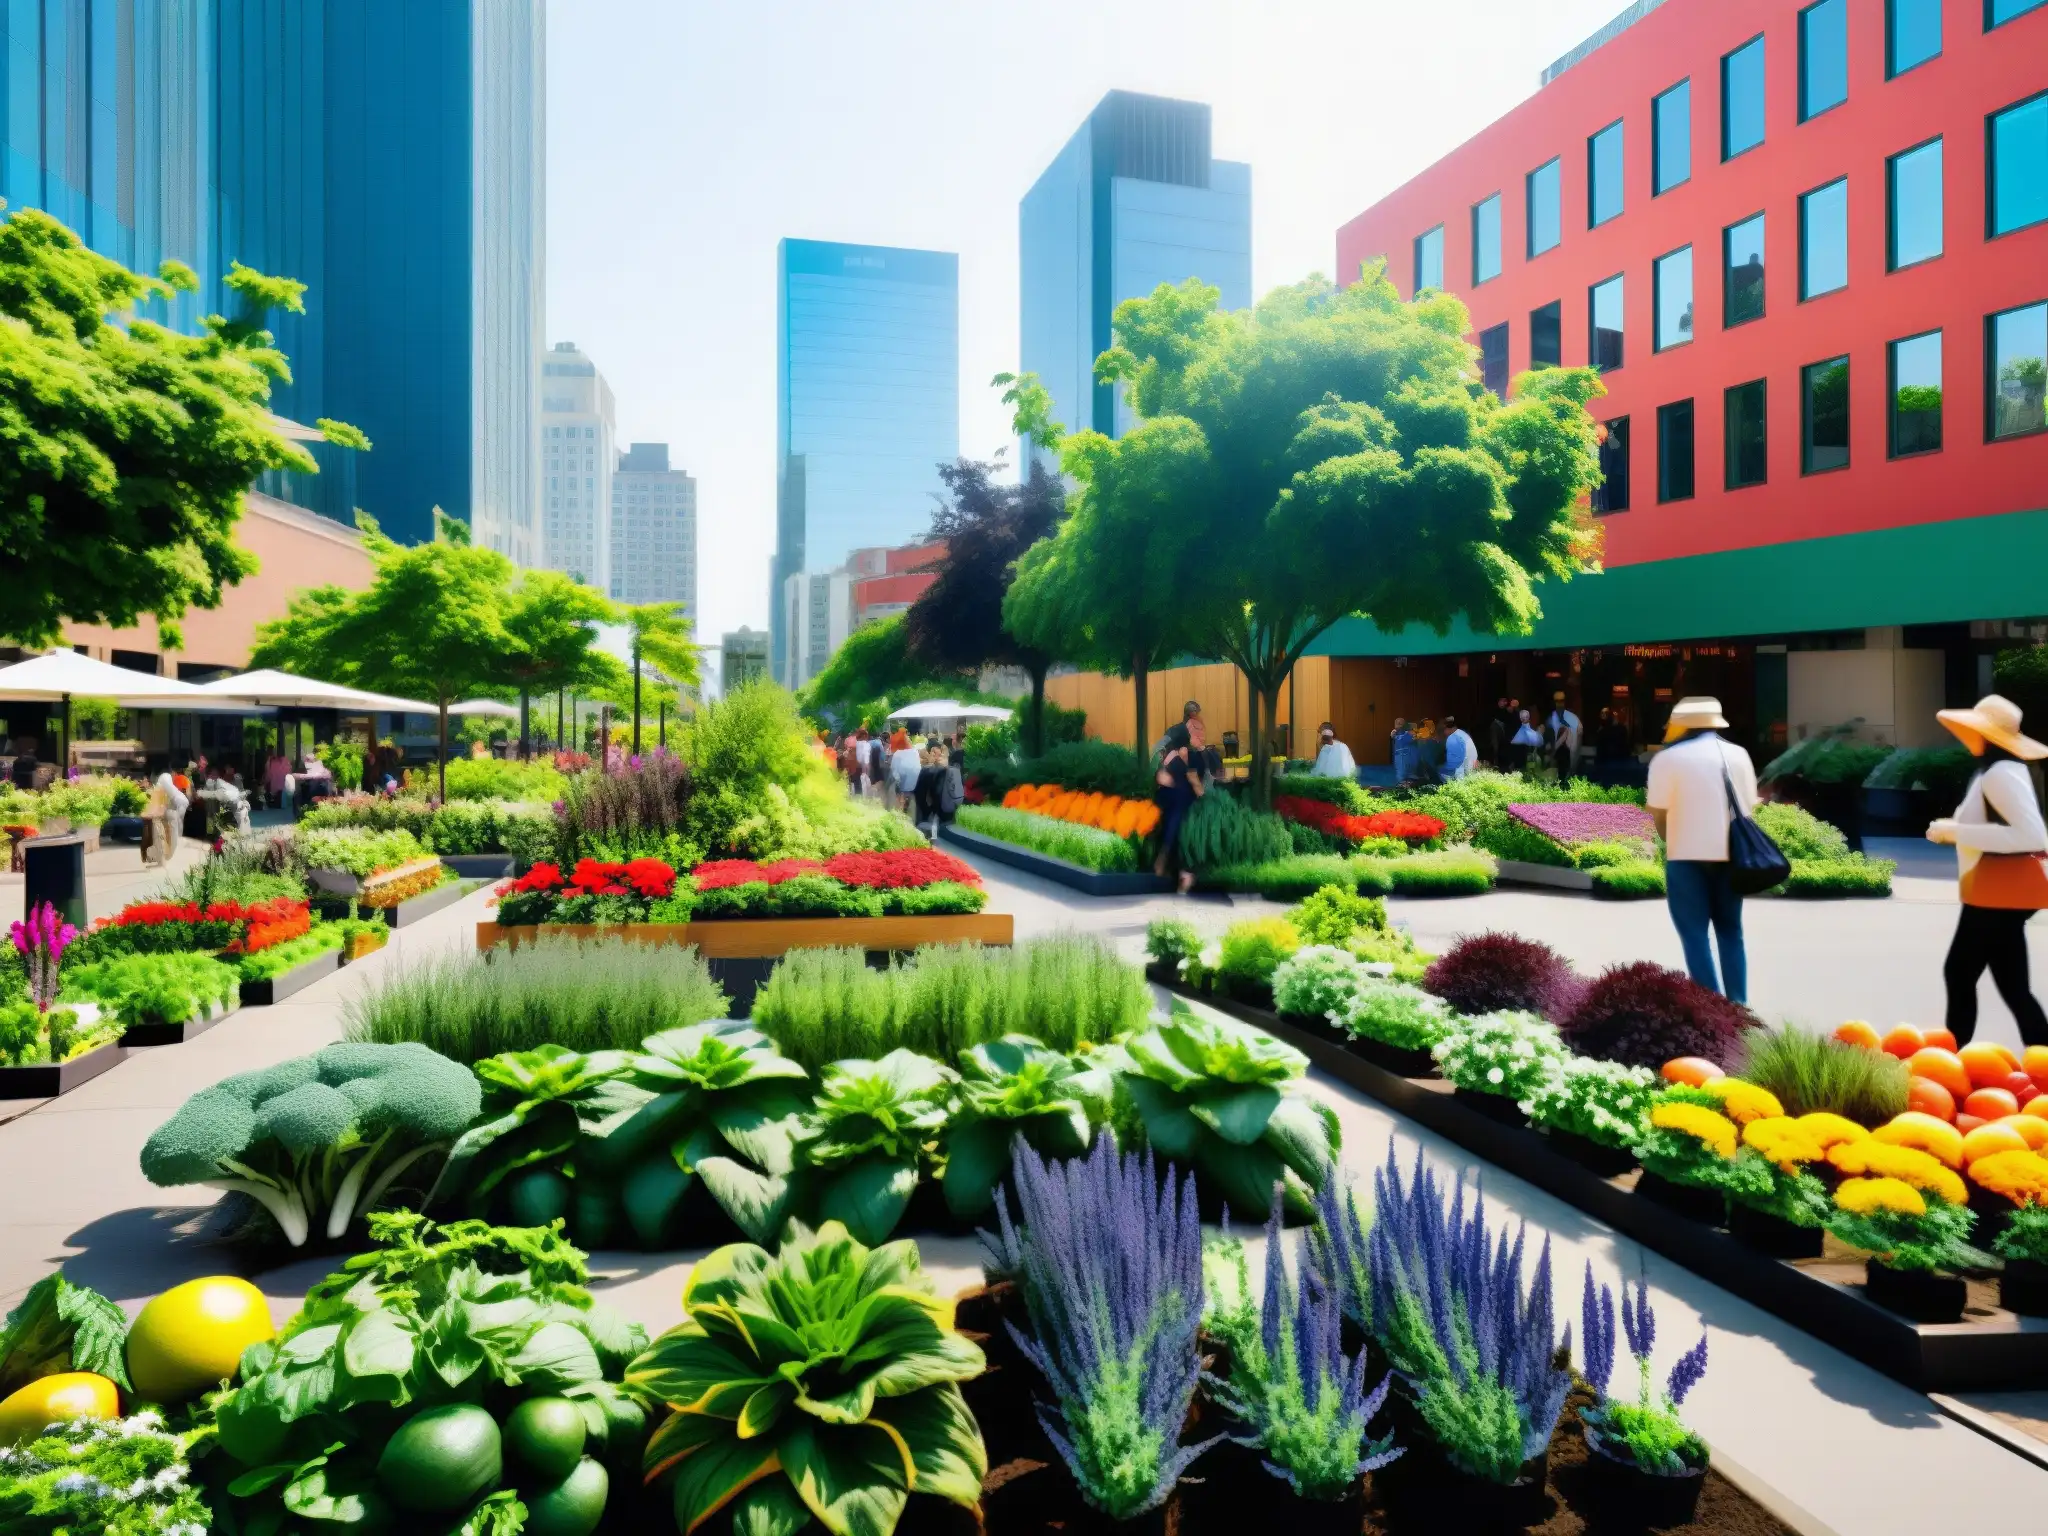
x,y
925,781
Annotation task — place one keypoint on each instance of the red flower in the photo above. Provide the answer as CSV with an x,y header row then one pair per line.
x,y
1333,820
1409,826
720,873
899,868
650,878
542,877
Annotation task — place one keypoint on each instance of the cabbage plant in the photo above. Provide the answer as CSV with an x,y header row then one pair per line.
x,y
1017,1087
865,1138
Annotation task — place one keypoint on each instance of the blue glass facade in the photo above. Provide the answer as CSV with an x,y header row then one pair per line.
x,y
867,402
1133,200
387,153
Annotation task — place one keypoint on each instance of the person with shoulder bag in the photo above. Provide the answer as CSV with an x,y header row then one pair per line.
x,y
2001,847
1702,793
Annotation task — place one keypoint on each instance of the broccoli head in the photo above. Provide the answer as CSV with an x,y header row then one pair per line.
x,y
327,1132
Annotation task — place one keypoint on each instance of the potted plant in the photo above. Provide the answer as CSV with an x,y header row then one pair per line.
x,y
2022,1177
1396,1027
1498,1062
1909,1212
1648,1466
1594,1112
1688,1157
1779,1205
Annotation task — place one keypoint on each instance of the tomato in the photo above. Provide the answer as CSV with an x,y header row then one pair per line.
x,y
1856,1032
1902,1040
1991,1104
1987,1064
1930,1098
1944,1067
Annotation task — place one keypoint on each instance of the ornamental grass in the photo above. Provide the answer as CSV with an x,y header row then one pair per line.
x,y
1809,1072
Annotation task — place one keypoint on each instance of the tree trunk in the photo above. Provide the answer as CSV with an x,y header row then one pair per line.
x,y
1255,792
444,751
1141,669
1037,743
636,702
525,729
558,720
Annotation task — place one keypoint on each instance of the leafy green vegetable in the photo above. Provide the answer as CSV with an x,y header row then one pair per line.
x,y
1016,1087
62,1327
865,1137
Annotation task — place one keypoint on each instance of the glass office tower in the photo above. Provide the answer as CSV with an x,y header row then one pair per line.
x,y
1133,201
867,402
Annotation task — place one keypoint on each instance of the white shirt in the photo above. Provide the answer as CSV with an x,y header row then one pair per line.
x,y
1333,761
904,764
1566,726
2010,791
1459,753
1687,784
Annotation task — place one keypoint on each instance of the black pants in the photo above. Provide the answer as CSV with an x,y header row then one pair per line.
x,y
1994,937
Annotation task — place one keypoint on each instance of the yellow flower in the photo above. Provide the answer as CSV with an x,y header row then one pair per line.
x,y
1909,1165
1784,1141
1717,1131
1742,1101
1863,1196
1830,1130
1915,1129
2022,1177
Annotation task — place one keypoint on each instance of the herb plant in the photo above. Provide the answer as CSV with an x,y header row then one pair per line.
x,y
1090,847
1404,1017
2025,1236
126,1477
1647,1431
1317,982
1253,948
1334,913
1603,1101
1903,1227
1809,1072
1170,940
164,988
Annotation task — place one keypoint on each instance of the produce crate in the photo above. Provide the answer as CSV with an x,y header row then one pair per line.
x,y
47,1082
1990,1349
138,1036
275,989
1091,882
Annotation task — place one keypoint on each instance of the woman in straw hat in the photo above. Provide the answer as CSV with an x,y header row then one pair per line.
x,y
1692,782
2000,842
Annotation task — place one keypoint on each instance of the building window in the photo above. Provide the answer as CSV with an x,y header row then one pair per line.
x,y
1546,335
1742,267
1743,424
1998,12
1742,99
1546,208
1671,138
1912,34
1611,494
1493,359
1914,401
1824,411
1429,259
2016,142
1603,176
2016,358
1913,183
1824,239
1486,240
1604,325
1674,451
1672,299
1823,57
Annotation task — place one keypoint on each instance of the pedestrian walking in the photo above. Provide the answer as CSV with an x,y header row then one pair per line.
x,y
1192,710
1563,730
904,766
2000,841
1698,784
1461,753
1405,760
1176,787
1526,741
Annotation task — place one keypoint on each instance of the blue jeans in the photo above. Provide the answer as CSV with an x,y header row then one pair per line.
x,y
1699,894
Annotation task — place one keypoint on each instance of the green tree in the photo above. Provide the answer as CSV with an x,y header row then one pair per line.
x,y
1105,590
129,445
874,663
1331,453
659,634
551,623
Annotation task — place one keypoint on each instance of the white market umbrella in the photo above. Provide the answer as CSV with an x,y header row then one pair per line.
x,y
65,675
484,707
948,709
269,686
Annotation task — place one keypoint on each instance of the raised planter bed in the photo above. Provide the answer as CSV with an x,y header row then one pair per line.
x,y
479,866
138,1036
1521,872
1090,882
426,903
47,1082
1990,1348
275,989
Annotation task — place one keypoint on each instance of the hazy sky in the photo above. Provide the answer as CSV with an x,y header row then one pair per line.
x,y
685,138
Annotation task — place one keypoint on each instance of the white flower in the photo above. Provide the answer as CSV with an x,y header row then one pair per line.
x,y
1495,1075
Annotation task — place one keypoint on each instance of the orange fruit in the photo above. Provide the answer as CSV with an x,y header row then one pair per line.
x,y
1991,1104
2032,1129
1902,1040
1967,1123
2034,1062
1940,1037
1692,1070
1930,1098
1856,1032
1987,1063
1944,1067
1992,1136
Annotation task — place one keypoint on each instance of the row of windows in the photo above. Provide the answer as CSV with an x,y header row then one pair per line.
x,y
590,432
2016,405
2016,140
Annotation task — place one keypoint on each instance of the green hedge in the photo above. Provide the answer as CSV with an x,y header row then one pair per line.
x,y
1089,847
1628,882
1853,875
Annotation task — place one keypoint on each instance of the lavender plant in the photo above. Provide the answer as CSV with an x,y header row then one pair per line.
x,y
1340,1249
1647,1431
1478,1350
1110,1263
1292,1384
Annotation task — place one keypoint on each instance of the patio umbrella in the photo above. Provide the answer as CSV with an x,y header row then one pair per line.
x,y
948,709
63,675
484,707
269,686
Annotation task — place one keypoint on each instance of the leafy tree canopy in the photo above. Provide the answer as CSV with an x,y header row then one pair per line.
x,y
130,445
874,663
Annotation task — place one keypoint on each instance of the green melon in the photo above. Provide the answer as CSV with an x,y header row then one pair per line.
x,y
441,1459
544,1436
571,1507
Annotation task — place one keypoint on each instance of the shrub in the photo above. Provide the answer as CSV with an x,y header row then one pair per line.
x,y
1628,882
290,955
160,988
404,813
1508,837
1945,770
1851,875
1343,793
490,778
1170,940
1809,1072
1253,948
1451,872
635,811
1799,833
1832,757
1316,981
1090,766
1285,879
1488,972
1645,1015
581,994
358,851
1403,1017
1089,847
1603,1101
1220,831
1333,913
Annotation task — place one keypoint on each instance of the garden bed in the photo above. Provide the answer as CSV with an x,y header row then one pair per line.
x,y
267,990
1991,1348
1078,877
139,1036
413,908
47,1081
767,937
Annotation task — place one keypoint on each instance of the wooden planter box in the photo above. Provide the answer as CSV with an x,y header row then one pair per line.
x,y
765,938
137,1036
1091,882
1989,1350
47,1082
275,989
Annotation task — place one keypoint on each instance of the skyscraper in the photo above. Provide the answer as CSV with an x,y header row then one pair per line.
x,y
1133,200
388,154
654,530
577,462
867,403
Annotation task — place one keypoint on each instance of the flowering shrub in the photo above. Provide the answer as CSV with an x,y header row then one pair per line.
x,y
1514,1055
1688,1143
1743,1101
41,941
908,881
1091,808
1646,1015
233,927
1405,1018
1903,1226
1871,1158
1489,972
900,868
2022,1177
1603,1101
1569,822
1333,820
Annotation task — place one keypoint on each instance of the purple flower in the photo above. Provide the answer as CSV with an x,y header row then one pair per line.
x,y
1685,1375
1596,1322
41,941
1570,821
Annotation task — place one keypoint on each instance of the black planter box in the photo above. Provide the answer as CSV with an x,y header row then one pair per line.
x,y
1774,1235
1708,1207
479,866
2023,1287
47,1082
1401,1060
426,904
275,989
1914,1293
1495,1106
1596,1157
137,1036
1075,876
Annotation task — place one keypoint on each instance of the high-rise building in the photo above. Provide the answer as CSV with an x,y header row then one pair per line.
x,y
387,154
577,464
867,404
743,657
654,530
1133,200
820,609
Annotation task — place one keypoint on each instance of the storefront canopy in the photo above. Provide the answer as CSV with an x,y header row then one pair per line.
x,y
68,675
288,692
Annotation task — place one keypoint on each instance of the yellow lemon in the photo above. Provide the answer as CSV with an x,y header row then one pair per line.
x,y
188,1339
52,1400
